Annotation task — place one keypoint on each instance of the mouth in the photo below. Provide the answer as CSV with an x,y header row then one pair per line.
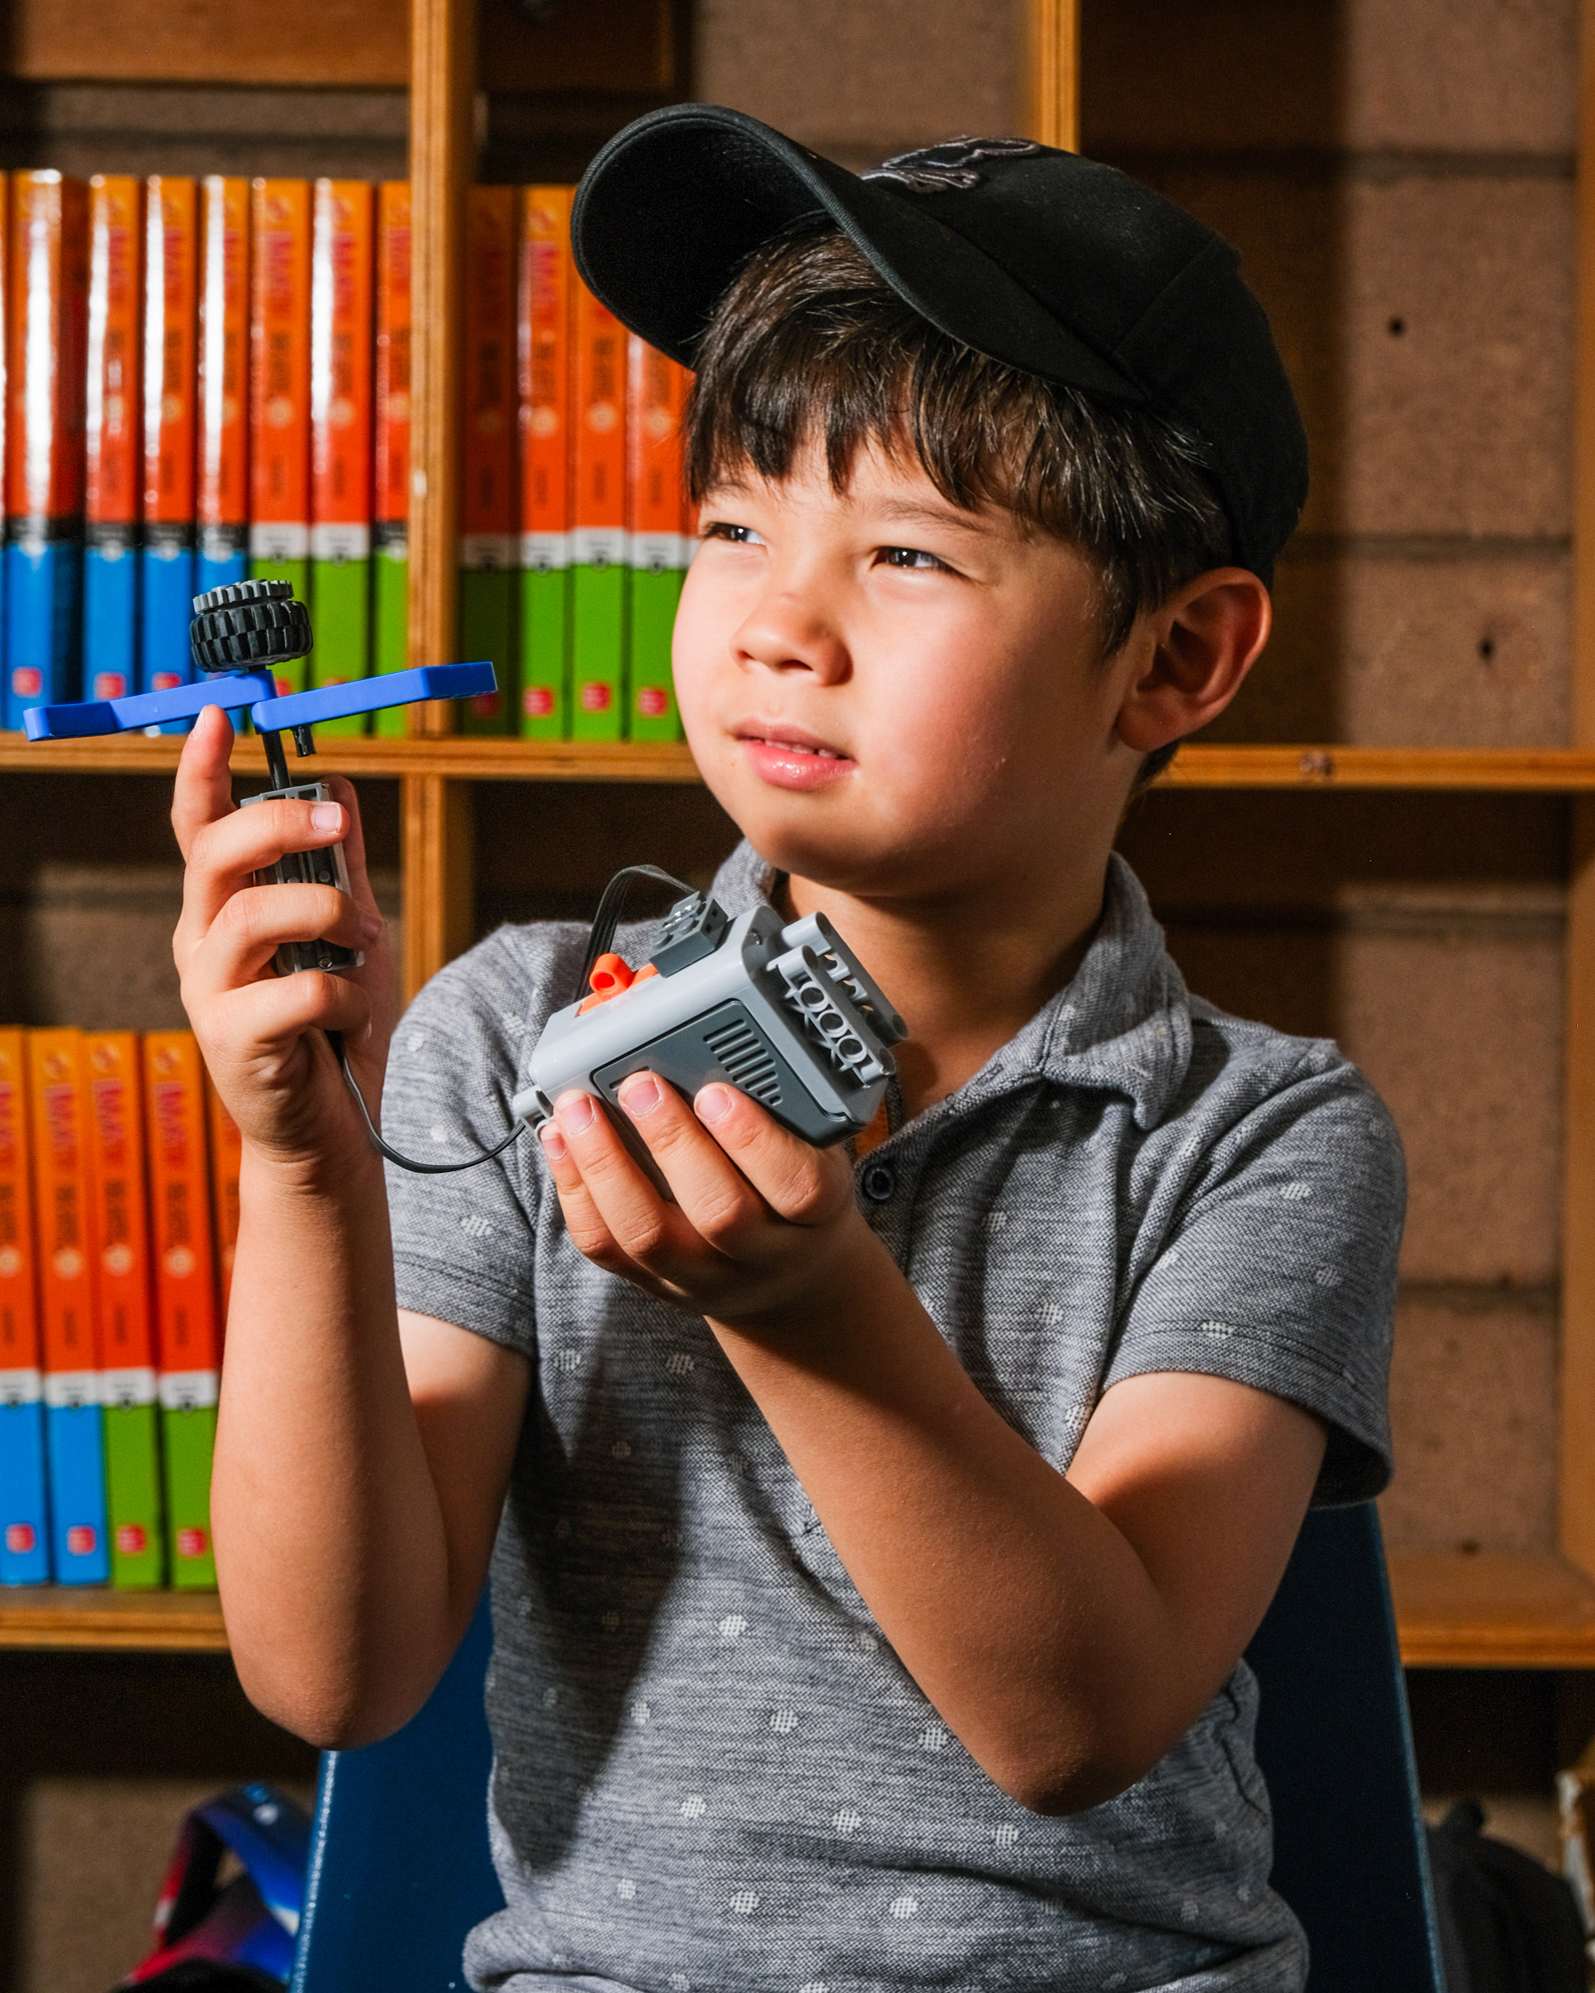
x,y
790,757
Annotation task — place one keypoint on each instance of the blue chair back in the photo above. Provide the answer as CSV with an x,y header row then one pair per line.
x,y
1335,1745
399,1867
399,1863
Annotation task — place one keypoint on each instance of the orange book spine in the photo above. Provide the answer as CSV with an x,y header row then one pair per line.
x,y
20,1357
48,341
112,468
656,400
598,498
171,324
59,1102
544,357
188,1336
279,372
221,498
119,1227
340,370
392,385
226,1153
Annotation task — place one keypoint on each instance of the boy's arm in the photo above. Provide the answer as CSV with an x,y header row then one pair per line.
x,y
1069,1628
352,1525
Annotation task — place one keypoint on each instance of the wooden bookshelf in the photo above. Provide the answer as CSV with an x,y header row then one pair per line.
x,y
458,757
41,1616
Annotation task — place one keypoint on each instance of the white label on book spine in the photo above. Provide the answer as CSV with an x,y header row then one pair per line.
x,y
187,1390
542,553
654,553
493,552
687,544
598,546
19,1387
330,541
71,1390
124,1389
278,540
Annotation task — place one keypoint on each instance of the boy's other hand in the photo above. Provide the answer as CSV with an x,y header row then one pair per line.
x,y
762,1224
260,1032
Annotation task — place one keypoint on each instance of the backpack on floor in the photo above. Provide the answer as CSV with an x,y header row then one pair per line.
x,y
235,1936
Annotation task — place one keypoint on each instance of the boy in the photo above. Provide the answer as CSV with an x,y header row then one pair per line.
x,y
874,1538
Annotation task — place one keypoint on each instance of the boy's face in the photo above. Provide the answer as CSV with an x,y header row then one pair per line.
x,y
895,698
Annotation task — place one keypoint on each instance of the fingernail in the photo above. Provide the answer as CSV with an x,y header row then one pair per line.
x,y
575,1112
640,1095
713,1103
326,816
371,926
553,1141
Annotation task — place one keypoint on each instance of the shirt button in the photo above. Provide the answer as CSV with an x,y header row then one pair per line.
x,y
878,1182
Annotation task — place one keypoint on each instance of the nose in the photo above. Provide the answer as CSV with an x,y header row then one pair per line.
x,y
788,630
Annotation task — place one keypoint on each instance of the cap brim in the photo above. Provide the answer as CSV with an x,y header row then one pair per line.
x,y
674,205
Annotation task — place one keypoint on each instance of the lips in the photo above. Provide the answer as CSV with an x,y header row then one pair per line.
x,y
790,757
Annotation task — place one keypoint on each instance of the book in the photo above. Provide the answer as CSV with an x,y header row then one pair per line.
x,y
171,325
543,334
221,491
47,334
279,394
112,471
226,1149
119,1237
656,400
188,1339
598,519
390,607
24,1509
74,1427
341,275
488,451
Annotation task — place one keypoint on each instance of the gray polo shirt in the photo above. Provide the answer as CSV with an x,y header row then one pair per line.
x,y
711,1770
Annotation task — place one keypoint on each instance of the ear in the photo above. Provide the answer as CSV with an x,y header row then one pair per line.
x,y
1202,641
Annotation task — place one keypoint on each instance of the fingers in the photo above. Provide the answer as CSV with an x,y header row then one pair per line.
x,y
204,789
225,853
252,924
613,1214
267,1016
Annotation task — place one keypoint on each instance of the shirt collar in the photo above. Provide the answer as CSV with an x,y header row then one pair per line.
x,y
1122,1025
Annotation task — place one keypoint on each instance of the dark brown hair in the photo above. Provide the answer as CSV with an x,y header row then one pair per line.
x,y
810,342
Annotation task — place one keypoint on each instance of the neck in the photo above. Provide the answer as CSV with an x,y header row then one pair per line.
x,y
966,971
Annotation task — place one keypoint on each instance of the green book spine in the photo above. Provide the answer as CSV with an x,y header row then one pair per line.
x,y
294,677
598,650
390,629
545,637
188,1440
487,629
133,1495
655,580
340,585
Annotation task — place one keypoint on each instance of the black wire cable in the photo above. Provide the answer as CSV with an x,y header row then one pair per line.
x,y
605,922
335,1040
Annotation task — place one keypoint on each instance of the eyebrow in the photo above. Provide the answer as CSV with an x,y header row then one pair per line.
x,y
912,512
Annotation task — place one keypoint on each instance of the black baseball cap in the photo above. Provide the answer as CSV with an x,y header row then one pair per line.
x,y
1039,258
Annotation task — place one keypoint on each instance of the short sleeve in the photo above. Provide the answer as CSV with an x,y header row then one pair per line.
x,y
464,1244
1279,1270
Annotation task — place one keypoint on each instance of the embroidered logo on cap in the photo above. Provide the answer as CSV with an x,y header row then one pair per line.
x,y
935,168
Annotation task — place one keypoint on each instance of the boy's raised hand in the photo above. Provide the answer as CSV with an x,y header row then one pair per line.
x,y
260,1032
762,1224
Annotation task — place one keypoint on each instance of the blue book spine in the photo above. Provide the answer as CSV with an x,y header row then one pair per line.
x,y
167,564
74,1433
24,1515
223,557
43,586
110,613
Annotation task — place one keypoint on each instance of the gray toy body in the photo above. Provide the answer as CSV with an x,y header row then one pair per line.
x,y
785,1013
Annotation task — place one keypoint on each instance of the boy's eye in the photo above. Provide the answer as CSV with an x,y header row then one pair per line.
x,y
910,557
725,529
